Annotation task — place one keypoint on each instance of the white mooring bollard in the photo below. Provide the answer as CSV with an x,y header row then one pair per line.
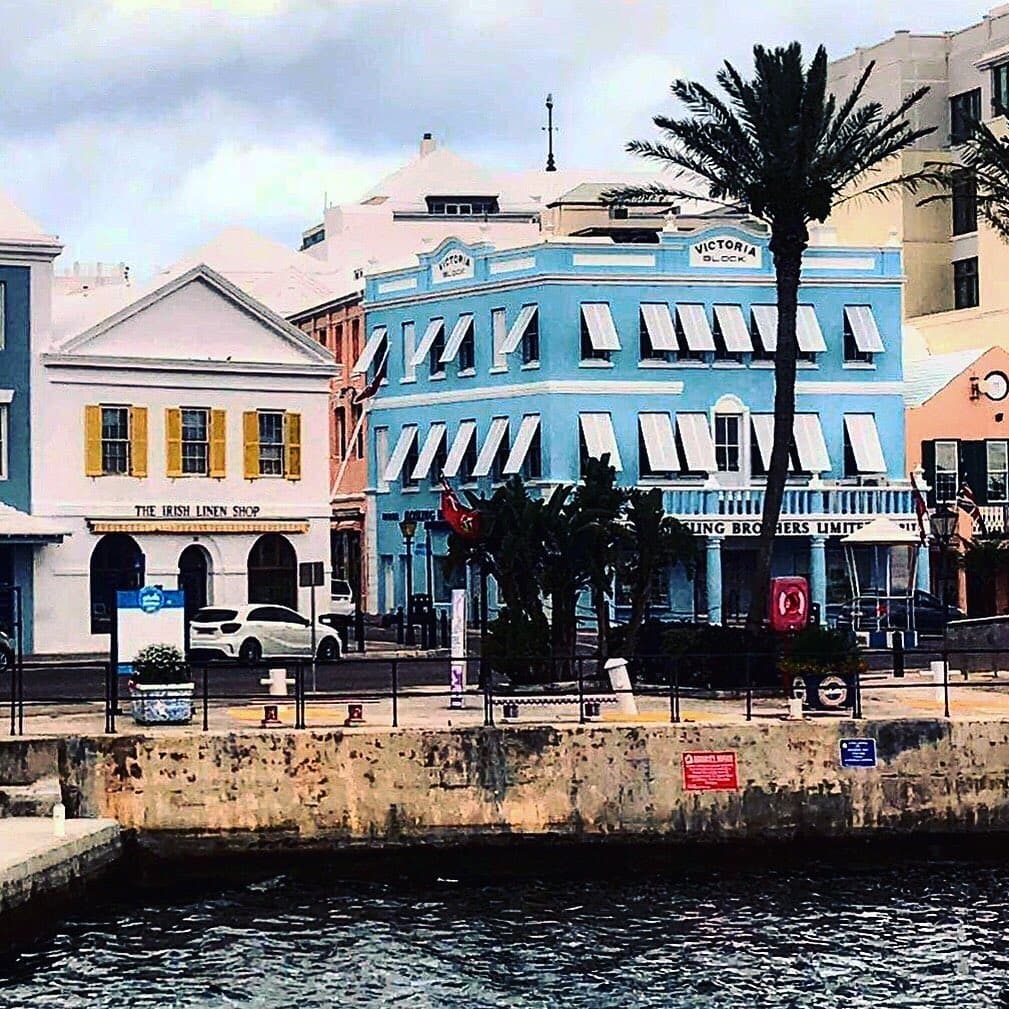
x,y
795,708
938,678
59,820
277,682
620,683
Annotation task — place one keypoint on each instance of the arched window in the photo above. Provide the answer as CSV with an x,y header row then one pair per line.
x,y
273,571
117,563
194,578
730,435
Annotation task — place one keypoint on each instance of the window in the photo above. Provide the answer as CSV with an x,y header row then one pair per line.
x,y
271,444
3,441
340,352
478,206
727,438
467,351
589,351
947,475
195,442
340,440
532,465
964,112
689,333
964,194
497,473
853,354
355,425
355,338
764,340
499,335
435,363
724,340
409,349
115,439
321,336
648,349
468,463
3,316
410,464
998,470
965,283
531,340
1000,90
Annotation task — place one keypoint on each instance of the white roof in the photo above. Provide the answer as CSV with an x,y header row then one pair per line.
x,y
439,173
924,378
16,225
882,531
21,525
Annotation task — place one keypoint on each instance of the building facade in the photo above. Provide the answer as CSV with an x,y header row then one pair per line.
x,y
182,442
661,356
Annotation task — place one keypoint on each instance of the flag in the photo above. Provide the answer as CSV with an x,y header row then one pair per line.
x,y
463,521
966,503
372,387
920,510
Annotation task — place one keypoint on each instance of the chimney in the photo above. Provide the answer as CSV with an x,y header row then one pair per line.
x,y
427,145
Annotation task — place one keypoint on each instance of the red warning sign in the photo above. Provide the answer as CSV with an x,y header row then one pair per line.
x,y
710,771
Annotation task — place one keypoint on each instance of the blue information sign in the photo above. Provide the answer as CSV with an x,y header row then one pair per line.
x,y
858,752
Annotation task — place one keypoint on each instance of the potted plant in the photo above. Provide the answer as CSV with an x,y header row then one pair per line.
x,y
820,665
160,688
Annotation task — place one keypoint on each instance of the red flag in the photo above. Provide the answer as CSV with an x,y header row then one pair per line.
x,y
373,386
920,509
463,521
966,502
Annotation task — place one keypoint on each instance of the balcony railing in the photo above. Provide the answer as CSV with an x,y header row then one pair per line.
x,y
893,499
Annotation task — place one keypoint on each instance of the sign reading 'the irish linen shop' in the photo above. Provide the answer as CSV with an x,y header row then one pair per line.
x,y
734,253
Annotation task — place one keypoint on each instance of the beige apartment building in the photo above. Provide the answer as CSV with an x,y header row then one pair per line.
x,y
957,292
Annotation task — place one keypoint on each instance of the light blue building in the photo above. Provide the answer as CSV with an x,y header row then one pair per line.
x,y
660,354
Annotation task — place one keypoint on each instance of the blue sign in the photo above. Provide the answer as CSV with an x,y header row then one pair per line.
x,y
858,752
150,599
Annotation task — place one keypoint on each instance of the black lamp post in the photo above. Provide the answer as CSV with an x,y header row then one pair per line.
x,y
944,523
408,527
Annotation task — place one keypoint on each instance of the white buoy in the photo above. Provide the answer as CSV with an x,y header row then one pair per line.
x,y
59,820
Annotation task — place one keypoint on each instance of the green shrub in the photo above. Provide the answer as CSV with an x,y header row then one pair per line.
x,y
821,650
160,664
518,647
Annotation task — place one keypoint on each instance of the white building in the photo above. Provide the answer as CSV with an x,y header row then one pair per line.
x,y
182,439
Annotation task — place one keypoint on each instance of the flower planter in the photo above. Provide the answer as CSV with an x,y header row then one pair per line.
x,y
162,703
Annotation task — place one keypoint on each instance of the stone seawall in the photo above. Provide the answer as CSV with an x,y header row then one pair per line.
x,y
279,789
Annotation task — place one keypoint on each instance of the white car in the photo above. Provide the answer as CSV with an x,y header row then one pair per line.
x,y
260,631
341,597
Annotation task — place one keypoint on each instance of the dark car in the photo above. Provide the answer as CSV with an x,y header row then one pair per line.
x,y
930,616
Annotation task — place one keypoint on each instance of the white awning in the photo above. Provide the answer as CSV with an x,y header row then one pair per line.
x,y
766,317
696,328
763,433
864,329
659,323
434,327
602,332
459,331
518,330
810,444
435,434
520,449
864,440
735,332
807,330
498,429
370,350
600,439
660,442
399,453
19,525
467,429
698,448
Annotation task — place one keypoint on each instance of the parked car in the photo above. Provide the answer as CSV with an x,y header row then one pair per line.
x,y
342,597
259,631
930,616
6,651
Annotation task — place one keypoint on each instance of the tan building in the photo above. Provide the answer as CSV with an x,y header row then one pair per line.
x,y
956,295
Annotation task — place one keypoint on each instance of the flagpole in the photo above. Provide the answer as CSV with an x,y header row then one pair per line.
x,y
346,455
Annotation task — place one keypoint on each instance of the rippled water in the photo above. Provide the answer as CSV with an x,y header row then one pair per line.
x,y
892,934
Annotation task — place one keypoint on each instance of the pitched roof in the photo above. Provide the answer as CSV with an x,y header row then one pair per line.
x,y
15,224
440,172
930,375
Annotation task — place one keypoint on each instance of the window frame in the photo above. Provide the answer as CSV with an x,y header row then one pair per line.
x,y
724,447
966,281
964,112
435,365
184,442
466,355
108,443
1000,90
940,498
851,352
531,340
963,201
647,351
1002,471
588,351
261,415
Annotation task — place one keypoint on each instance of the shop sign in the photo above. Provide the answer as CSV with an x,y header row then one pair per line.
x,y
151,615
734,253
454,265
858,752
710,771
196,511
702,526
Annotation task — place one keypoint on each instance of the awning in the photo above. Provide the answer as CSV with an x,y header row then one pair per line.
x,y
698,448
659,324
197,527
763,433
518,330
864,329
459,331
735,332
600,440
498,429
434,327
696,328
602,332
460,444
435,434
520,449
19,526
864,440
399,453
660,442
807,330
810,444
766,317
370,350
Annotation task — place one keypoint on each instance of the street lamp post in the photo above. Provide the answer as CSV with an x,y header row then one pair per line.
x,y
944,522
408,527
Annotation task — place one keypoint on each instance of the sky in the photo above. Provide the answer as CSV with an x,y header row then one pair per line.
x,y
137,129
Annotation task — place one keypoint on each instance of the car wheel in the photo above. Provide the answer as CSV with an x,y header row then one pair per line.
x,y
251,652
329,650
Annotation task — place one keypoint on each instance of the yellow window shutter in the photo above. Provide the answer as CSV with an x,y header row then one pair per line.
x,y
138,441
92,441
292,446
173,441
218,443
250,437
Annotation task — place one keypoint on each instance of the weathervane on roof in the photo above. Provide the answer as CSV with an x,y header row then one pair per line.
x,y
551,167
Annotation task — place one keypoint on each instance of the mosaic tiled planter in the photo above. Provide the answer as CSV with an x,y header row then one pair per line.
x,y
162,703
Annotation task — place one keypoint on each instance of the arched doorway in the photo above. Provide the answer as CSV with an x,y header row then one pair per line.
x,y
194,578
117,562
273,571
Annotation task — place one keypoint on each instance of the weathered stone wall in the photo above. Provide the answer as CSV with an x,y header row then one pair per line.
x,y
272,789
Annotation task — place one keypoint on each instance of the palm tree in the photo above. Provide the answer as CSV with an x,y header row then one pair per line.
x,y
785,151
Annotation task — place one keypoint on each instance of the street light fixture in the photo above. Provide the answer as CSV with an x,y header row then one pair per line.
x,y
408,527
944,524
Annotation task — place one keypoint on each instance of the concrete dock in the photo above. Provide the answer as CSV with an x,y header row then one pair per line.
x,y
34,863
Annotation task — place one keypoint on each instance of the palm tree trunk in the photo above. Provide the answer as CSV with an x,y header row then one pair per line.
x,y
787,265
601,606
